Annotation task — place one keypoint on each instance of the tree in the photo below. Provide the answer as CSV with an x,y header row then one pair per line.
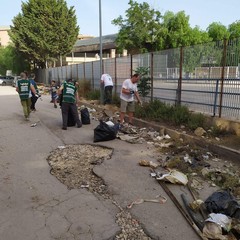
x,y
146,30
144,85
11,59
45,30
217,31
179,31
234,29
141,31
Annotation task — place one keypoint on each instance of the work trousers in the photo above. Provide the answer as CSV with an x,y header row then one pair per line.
x,y
108,94
66,107
33,102
26,107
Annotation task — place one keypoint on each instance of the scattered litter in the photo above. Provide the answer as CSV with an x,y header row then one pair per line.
x,y
167,136
127,138
187,159
147,163
174,176
61,147
160,200
33,125
195,205
153,174
223,202
214,225
110,123
166,145
205,157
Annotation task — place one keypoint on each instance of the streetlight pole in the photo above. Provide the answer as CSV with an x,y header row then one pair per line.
x,y
100,43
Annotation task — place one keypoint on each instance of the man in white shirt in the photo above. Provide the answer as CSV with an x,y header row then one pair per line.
x,y
128,92
107,82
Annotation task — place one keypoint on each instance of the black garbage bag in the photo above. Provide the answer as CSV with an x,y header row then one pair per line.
x,y
85,116
104,132
223,202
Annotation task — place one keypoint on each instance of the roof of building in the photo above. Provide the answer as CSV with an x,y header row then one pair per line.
x,y
92,44
92,41
4,28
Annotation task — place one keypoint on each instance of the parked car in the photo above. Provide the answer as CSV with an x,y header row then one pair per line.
x,y
6,80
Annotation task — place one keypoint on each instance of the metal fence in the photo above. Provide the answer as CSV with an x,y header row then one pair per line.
x,y
205,78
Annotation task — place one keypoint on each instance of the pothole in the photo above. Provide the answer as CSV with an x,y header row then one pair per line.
x,y
73,166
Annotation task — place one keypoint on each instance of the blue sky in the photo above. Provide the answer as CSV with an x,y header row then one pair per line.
x,y
201,13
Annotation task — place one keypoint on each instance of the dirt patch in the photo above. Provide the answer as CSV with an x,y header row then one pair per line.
x,y
73,166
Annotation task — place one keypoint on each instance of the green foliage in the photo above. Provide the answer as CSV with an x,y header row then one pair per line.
x,y
144,85
179,31
84,88
93,94
146,30
217,31
196,120
11,59
45,30
180,115
234,29
116,100
141,31
216,131
175,115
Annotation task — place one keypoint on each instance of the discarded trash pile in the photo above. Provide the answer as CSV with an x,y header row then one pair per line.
x,y
217,217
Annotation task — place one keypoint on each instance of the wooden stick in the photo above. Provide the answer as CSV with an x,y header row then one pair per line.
x,y
179,206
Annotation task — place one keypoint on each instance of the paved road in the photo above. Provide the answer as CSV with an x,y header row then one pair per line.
x,y
34,205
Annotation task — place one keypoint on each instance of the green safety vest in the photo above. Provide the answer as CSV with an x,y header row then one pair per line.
x,y
23,88
69,91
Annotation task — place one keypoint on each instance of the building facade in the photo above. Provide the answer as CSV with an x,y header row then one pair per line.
x,y
4,37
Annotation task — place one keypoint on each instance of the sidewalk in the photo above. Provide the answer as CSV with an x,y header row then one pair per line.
x,y
35,205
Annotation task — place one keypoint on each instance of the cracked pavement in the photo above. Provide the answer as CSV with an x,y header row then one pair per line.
x,y
35,205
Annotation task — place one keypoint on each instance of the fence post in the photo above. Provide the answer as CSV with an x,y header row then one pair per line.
x,y
151,77
115,70
131,66
84,72
92,77
215,98
179,88
77,71
222,75
101,85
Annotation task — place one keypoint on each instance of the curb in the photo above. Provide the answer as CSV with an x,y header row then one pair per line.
x,y
224,152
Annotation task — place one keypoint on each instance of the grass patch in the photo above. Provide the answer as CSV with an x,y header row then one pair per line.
x,y
84,87
93,94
